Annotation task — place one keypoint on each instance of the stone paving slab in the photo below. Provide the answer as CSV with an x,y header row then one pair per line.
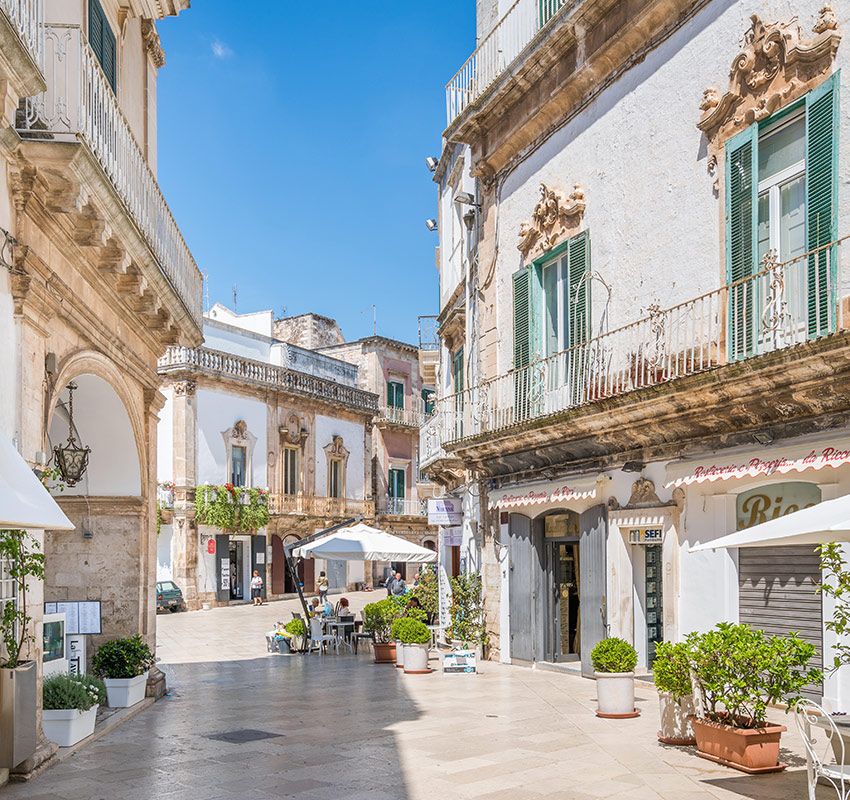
x,y
352,730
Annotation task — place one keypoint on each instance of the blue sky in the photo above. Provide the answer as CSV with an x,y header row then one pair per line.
x,y
292,139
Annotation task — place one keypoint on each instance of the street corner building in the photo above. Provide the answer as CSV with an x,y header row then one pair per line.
x,y
96,282
285,418
643,316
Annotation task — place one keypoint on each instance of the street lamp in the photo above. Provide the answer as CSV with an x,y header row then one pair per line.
x,y
431,224
71,459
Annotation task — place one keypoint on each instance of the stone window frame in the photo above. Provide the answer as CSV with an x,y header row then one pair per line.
x,y
336,452
239,436
293,436
299,469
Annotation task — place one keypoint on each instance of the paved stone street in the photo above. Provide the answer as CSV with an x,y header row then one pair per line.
x,y
342,727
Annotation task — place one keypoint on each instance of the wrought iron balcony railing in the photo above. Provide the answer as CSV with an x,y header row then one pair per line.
x,y
26,18
407,417
402,507
498,50
80,105
785,304
312,506
215,362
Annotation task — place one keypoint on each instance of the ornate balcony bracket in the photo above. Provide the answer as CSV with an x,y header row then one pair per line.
x,y
776,66
554,219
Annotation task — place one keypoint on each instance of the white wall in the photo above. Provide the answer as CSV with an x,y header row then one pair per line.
x,y
353,437
165,438
653,217
217,412
260,322
236,342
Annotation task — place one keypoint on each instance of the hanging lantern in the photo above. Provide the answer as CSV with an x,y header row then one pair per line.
x,y
71,459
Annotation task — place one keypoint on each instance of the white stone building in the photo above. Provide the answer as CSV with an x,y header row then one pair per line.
x,y
660,313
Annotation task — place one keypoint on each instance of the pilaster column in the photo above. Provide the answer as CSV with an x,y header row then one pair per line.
x,y
184,543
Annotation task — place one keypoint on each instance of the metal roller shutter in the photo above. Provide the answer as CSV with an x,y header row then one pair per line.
x,y
777,590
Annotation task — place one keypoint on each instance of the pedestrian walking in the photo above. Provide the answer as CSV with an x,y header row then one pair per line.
x,y
388,584
257,589
323,586
399,586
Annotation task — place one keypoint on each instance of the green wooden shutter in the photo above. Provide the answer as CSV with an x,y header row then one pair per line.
x,y
578,267
102,41
522,318
821,183
741,230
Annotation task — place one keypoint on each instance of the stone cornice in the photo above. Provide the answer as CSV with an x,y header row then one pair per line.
x,y
100,506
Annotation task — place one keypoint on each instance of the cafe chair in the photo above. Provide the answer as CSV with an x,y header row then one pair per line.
x,y
824,749
320,639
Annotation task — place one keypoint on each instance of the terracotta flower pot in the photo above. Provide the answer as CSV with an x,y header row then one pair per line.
x,y
751,750
384,652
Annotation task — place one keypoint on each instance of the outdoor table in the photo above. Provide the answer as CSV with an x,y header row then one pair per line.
x,y
336,626
843,726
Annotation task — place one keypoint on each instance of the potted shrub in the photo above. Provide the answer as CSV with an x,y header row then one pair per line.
x,y
672,672
415,639
466,629
123,664
70,707
297,630
739,671
18,692
377,619
399,647
614,662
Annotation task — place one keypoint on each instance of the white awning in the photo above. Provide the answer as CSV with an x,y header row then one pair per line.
x,y
533,494
828,521
362,543
833,452
24,502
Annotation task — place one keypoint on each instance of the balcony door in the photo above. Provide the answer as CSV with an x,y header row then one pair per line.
x,y
395,491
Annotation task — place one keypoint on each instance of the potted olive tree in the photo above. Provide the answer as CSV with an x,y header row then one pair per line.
x,y
70,707
123,664
738,672
614,662
18,693
415,638
377,619
672,672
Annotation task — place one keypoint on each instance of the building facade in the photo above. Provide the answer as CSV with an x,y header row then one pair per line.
x,y
660,327
96,282
251,411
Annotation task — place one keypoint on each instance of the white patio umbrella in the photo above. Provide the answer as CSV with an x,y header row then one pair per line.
x,y
828,521
24,502
362,543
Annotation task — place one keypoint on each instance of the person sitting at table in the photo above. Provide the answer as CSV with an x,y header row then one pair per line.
x,y
327,609
315,610
342,609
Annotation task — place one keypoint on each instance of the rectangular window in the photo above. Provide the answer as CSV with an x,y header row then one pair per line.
x,y
428,401
395,394
291,476
395,491
780,202
238,463
457,370
102,42
335,477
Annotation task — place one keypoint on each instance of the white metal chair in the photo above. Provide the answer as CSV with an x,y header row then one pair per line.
x,y
318,638
824,749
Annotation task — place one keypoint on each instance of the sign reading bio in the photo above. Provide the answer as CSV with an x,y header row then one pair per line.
x,y
773,501
445,511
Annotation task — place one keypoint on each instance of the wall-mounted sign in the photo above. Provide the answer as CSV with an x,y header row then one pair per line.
x,y
451,537
645,535
773,501
225,574
211,546
81,616
560,491
445,511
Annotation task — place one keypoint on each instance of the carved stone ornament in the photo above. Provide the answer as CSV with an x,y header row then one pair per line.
x,y
776,66
186,388
294,432
153,43
336,448
643,493
553,219
239,430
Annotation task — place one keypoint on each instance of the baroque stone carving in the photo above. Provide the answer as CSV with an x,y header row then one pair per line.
x,y
774,67
552,218
643,493
184,388
336,448
153,43
239,430
294,432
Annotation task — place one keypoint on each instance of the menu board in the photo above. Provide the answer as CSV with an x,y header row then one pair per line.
x,y
81,616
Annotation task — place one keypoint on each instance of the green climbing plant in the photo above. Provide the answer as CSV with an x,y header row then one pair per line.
x,y
20,553
231,508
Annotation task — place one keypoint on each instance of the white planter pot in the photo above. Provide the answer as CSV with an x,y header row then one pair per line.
x,y
675,723
126,692
68,726
415,658
399,655
615,694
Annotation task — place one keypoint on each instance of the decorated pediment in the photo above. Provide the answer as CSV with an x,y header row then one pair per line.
x,y
295,431
776,65
554,219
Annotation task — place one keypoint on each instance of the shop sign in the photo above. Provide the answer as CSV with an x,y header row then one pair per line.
x,y
225,574
211,546
773,501
451,537
445,511
444,597
766,465
553,492
645,535
459,661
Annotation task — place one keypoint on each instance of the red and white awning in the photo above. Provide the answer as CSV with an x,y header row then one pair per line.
x,y
544,494
769,461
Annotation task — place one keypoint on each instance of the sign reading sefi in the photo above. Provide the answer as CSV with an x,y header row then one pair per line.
x,y
645,535
445,511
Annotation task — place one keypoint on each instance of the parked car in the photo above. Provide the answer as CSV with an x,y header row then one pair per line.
x,y
169,597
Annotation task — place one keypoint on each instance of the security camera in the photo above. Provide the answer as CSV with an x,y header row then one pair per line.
x,y
431,224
